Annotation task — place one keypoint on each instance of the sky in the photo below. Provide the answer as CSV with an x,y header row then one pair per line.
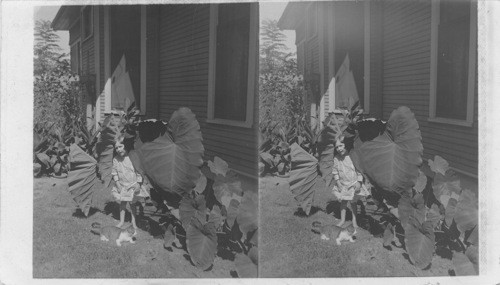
x,y
268,10
273,11
48,13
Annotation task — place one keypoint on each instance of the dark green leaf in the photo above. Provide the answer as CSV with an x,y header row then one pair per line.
x,y
248,212
173,163
232,212
433,215
411,207
227,187
37,168
466,215
463,266
253,254
190,208
255,238
446,187
216,217
169,235
388,235
82,177
472,254
392,160
201,242
451,209
201,184
474,236
267,158
421,182
105,147
303,177
245,267
419,241
326,162
44,159
218,166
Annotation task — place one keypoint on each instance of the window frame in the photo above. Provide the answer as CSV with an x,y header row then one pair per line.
x,y
82,24
143,58
252,65
471,78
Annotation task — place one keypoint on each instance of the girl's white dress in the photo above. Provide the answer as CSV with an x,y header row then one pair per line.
x,y
123,190
344,171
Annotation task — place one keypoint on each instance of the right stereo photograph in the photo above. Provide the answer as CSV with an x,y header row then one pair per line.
x,y
368,150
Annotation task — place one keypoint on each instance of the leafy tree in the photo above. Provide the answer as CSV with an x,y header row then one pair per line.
x,y
58,101
272,50
280,86
46,50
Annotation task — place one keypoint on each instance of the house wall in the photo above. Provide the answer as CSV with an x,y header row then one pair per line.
x,y
102,79
406,34
88,64
183,50
400,58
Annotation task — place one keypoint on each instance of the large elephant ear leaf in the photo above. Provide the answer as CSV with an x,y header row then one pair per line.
x,y
411,207
466,215
446,187
463,265
419,240
248,212
303,177
172,162
201,242
392,159
326,162
110,129
82,177
472,254
227,187
245,267
439,165
190,208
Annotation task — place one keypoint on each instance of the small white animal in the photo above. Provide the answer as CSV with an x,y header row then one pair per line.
x,y
334,232
113,233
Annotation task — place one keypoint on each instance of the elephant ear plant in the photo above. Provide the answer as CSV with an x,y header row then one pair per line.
x,y
311,169
216,212
433,210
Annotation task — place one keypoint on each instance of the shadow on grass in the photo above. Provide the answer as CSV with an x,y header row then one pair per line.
x,y
365,221
112,208
444,252
80,215
300,213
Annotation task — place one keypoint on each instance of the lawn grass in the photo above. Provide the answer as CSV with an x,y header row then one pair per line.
x,y
290,249
64,247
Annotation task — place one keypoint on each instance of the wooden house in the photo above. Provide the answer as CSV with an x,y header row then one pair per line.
x,y
203,56
421,54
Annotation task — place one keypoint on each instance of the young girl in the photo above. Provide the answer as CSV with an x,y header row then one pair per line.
x,y
127,189
348,182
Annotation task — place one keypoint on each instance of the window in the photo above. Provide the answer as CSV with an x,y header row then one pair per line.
x,y
87,25
76,57
453,62
125,38
232,63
